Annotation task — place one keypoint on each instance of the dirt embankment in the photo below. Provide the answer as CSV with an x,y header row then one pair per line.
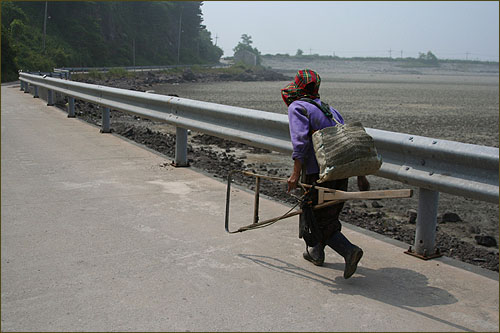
x,y
218,157
143,81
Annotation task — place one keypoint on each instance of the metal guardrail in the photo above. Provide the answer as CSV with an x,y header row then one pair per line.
x,y
441,165
67,71
57,74
433,165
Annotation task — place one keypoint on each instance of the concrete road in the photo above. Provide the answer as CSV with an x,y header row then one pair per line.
x,y
100,234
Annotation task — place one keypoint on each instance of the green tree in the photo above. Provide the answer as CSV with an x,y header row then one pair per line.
x,y
10,13
244,44
9,65
299,53
428,58
206,49
103,33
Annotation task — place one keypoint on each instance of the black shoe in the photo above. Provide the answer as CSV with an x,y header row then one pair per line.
x,y
351,262
351,253
315,254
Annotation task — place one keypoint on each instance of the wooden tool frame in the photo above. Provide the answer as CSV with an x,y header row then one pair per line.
x,y
326,197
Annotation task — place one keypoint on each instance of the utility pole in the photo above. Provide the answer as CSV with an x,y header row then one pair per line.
x,y
390,53
44,26
401,54
467,55
133,51
179,40
216,37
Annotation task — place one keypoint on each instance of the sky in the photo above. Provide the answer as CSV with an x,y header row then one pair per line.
x,y
467,30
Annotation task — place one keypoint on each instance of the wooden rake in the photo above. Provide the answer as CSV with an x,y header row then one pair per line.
x,y
326,197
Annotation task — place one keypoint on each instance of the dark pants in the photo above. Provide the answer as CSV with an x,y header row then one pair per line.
x,y
327,218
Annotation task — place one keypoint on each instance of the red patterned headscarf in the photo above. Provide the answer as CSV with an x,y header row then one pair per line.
x,y
306,84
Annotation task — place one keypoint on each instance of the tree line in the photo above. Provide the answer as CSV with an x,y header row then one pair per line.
x,y
102,33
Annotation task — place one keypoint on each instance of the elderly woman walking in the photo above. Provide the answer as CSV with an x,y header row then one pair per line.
x,y
307,114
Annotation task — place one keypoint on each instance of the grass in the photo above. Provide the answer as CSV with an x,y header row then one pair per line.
x,y
113,73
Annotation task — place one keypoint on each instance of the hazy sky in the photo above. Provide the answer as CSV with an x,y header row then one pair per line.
x,y
450,29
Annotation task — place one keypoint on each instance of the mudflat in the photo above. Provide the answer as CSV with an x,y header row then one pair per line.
x,y
452,102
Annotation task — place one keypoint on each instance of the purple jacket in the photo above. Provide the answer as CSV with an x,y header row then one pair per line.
x,y
303,119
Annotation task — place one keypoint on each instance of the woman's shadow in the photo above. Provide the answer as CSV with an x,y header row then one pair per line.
x,y
400,287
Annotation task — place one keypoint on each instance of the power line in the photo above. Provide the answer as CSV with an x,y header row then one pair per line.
x,y
179,39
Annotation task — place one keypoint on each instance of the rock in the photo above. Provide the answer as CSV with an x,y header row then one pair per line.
x,y
188,75
487,241
450,217
245,77
412,216
474,229
479,259
377,214
225,76
376,204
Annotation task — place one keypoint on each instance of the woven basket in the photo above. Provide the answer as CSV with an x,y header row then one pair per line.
x,y
345,151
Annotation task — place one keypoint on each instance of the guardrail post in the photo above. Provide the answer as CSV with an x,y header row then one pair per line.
x,y
35,94
105,120
50,97
425,234
71,107
22,86
180,147
26,88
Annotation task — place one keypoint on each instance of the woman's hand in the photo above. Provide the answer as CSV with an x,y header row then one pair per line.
x,y
363,184
293,180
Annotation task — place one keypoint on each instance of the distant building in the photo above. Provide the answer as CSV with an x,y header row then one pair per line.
x,y
246,57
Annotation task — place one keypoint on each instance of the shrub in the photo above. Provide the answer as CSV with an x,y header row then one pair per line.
x,y
117,72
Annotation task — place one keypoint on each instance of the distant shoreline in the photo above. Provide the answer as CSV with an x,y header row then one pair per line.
x,y
408,60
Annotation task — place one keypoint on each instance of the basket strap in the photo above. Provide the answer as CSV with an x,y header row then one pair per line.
x,y
325,108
